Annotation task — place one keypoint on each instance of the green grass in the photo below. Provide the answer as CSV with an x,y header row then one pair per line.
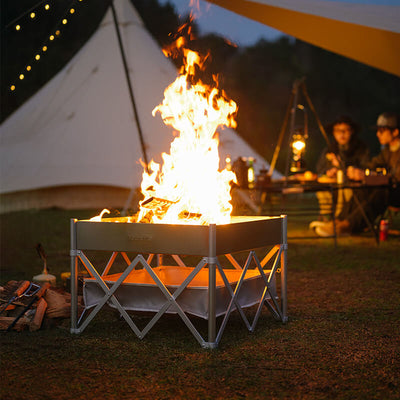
x,y
341,341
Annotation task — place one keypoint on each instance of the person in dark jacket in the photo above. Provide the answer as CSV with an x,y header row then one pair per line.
x,y
374,202
346,149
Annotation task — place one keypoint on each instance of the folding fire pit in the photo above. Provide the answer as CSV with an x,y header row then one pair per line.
x,y
207,290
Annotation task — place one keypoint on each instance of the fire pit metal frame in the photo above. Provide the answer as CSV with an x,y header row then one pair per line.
x,y
245,233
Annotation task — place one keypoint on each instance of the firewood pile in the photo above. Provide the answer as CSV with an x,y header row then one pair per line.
x,y
27,305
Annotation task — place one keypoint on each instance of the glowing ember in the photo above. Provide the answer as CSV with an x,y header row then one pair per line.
x,y
189,188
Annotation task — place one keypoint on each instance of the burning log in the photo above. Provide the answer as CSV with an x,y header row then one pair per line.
x,y
154,203
154,206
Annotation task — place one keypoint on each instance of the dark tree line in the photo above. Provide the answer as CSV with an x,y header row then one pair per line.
x,y
259,77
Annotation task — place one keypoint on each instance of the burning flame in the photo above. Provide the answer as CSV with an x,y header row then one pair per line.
x,y
99,217
188,187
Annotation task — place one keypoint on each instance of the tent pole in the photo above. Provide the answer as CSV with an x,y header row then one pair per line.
x,y
311,105
296,85
135,113
281,135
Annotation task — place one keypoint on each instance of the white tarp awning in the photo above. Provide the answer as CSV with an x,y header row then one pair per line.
x,y
368,33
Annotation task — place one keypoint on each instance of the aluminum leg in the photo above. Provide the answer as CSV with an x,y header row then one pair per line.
x,y
74,278
212,258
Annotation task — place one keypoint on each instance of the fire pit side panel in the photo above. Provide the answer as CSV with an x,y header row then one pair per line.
x,y
143,238
249,235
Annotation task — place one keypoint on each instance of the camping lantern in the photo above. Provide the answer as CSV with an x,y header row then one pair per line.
x,y
250,172
298,147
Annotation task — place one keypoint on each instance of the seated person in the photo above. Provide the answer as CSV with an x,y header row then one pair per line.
x,y
345,150
374,202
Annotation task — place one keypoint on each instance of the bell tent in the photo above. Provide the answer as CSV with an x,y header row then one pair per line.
x,y
76,142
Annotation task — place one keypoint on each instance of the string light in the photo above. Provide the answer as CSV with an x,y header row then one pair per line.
x,y
44,48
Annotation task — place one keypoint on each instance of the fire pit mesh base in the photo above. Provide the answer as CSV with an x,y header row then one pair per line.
x,y
207,290
140,293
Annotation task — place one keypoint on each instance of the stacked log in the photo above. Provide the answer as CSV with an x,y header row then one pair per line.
x,y
21,308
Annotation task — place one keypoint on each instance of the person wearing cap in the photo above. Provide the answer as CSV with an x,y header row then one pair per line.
x,y
374,202
346,149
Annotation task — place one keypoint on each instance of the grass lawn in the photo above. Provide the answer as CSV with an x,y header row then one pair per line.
x,y
341,341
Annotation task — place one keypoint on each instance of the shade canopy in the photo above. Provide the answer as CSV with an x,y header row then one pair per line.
x,y
368,33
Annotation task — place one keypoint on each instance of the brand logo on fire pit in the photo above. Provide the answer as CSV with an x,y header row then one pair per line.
x,y
142,236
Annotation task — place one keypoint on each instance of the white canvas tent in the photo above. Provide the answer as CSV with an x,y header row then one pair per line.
x,y
75,143
368,33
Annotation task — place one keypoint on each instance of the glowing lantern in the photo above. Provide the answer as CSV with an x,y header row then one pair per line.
x,y
298,146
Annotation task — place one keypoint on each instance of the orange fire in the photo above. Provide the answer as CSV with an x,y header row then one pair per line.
x,y
99,217
189,188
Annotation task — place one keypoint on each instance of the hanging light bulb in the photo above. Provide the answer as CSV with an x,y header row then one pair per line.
x,y
64,21
21,77
12,87
44,48
250,173
57,32
37,57
28,67
51,37
46,7
298,145
33,15
71,11
17,27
